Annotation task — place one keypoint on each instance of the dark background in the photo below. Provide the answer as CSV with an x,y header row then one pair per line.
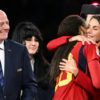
x,y
45,14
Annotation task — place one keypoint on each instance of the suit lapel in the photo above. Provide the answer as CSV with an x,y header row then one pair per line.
x,y
8,52
8,62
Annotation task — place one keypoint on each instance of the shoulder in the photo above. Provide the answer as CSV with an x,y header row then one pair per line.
x,y
14,45
90,47
87,48
86,45
90,51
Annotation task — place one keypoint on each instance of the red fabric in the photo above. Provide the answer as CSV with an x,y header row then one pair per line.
x,y
84,84
90,81
55,43
70,91
83,79
94,68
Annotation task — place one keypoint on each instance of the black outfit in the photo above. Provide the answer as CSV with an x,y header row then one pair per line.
x,y
41,72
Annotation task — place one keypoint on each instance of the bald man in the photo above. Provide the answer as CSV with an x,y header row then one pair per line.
x,y
16,77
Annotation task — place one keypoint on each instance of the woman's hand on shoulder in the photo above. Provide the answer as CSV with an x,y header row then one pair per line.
x,y
82,38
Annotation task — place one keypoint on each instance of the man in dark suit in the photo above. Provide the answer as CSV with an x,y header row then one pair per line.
x,y
18,81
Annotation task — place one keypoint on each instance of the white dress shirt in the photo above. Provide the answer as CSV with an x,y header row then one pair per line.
x,y
32,61
2,56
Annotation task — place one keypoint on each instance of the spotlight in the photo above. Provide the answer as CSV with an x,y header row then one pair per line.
x,y
95,3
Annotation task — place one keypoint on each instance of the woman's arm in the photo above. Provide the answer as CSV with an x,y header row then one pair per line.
x,y
55,43
93,64
81,38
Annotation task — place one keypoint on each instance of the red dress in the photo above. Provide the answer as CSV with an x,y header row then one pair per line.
x,y
87,83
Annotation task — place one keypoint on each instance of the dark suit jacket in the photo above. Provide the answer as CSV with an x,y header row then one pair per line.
x,y
18,74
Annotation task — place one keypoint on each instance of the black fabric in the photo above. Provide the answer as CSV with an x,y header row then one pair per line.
x,y
90,9
81,60
1,76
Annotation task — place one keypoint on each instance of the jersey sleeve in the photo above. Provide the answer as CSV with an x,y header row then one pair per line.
x,y
55,43
93,64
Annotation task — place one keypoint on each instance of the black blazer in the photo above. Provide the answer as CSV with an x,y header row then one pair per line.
x,y
18,74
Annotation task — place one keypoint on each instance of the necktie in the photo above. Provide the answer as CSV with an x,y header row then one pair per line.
x,y
1,76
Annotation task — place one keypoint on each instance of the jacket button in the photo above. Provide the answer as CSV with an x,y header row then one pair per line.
x,y
4,97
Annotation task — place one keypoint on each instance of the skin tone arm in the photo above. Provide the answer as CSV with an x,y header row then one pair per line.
x,y
82,38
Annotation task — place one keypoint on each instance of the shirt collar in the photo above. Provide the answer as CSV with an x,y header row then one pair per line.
x,y
2,45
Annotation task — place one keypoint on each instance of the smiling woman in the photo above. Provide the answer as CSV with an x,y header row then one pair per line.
x,y
32,45
93,30
29,35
